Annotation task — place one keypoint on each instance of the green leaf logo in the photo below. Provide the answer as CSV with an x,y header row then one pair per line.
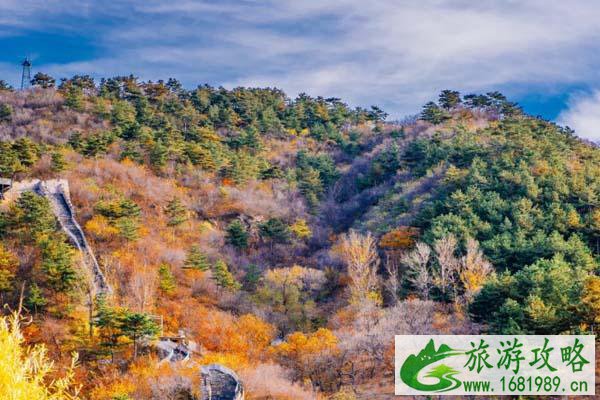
x,y
409,372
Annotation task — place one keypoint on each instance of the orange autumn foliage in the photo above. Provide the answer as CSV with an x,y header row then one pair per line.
x,y
400,238
300,345
247,336
144,379
230,360
255,334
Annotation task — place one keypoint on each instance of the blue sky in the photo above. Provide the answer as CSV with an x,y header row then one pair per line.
x,y
393,53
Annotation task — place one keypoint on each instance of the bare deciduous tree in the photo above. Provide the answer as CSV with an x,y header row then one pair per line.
x,y
446,276
417,262
143,286
392,283
464,275
360,255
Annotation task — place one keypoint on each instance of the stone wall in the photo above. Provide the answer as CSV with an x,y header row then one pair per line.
x,y
57,192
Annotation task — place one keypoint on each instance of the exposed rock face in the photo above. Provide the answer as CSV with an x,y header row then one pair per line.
x,y
57,192
220,383
170,350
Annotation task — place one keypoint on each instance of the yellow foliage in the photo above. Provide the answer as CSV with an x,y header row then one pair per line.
x,y
573,219
205,226
301,229
359,253
128,163
24,371
286,276
8,267
100,227
596,219
474,270
115,388
230,360
299,344
539,311
322,111
453,174
472,280
541,167
375,297
591,297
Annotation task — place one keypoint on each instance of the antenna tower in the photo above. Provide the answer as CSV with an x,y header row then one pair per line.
x,y
26,75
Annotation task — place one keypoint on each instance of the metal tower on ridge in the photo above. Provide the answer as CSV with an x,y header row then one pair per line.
x,y
26,75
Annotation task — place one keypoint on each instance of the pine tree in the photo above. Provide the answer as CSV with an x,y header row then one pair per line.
x,y
167,280
196,259
251,138
107,320
176,212
237,235
43,80
4,86
131,152
74,98
449,99
75,141
200,155
9,162
275,230
123,114
57,264
252,278
36,299
479,101
27,151
96,144
5,112
128,228
122,214
243,167
120,208
434,114
223,277
31,217
58,162
310,185
158,155
135,326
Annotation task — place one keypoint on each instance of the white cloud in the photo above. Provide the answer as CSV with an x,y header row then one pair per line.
x,y
583,115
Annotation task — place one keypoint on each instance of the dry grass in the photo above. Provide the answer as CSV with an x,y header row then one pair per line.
x,y
40,115
270,381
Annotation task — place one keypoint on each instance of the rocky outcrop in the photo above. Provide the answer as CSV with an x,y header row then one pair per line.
x,y
174,348
220,383
57,192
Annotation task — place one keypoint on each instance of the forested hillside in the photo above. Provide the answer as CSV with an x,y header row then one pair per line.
x,y
290,239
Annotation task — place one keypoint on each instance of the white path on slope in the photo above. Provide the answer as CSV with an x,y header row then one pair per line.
x,y
57,193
